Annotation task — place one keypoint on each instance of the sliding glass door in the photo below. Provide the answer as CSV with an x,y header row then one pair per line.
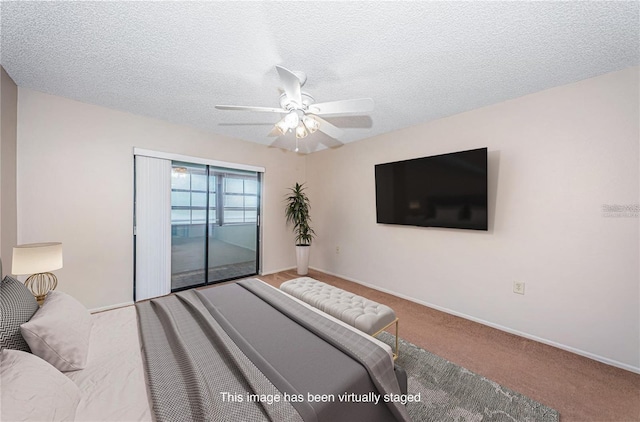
x,y
233,223
214,224
188,224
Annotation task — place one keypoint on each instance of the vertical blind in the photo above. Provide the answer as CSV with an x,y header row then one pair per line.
x,y
152,227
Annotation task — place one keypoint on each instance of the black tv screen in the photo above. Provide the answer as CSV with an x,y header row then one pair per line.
x,y
448,190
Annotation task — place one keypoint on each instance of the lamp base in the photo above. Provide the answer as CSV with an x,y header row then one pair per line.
x,y
40,284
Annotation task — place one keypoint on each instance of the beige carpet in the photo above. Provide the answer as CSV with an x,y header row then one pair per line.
x,y
581,389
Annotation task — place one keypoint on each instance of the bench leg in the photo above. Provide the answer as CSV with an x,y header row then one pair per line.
x,y
396,322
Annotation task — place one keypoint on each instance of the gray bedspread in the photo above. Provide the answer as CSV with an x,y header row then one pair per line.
x,y
191,361
206,351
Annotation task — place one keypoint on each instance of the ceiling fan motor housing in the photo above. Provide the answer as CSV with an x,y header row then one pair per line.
x,y
288,104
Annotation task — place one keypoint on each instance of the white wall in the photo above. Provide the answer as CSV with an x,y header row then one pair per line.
x,y
8,209
75,185
555,158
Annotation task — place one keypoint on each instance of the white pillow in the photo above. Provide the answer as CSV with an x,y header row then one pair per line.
x,y
59,332
33,390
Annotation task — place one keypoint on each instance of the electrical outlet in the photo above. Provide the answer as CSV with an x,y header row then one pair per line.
x,y
518,287
337,250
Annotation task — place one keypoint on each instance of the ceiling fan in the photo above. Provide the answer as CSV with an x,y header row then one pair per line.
x,y
301,112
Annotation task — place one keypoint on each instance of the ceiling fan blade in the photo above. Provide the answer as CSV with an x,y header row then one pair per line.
x,y
328,128
251,108
360,105
331,143
327,140
290,84
282,142
289,142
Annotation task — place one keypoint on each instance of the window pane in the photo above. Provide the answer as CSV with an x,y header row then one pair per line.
x,y
179,178
199,182
233,216
233,201
251,201
199,199
180,216
179,199
212,200
233,185
198,216
251,216
213,216
251,186
212,183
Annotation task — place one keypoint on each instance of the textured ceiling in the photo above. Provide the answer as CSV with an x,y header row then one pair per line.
x,y
419,61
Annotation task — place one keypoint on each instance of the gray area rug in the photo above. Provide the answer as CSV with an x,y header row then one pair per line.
x,y
449,392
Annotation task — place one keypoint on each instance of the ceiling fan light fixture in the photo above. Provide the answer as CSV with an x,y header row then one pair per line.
x,y
282,126
301,132
311,124
292,119
295,104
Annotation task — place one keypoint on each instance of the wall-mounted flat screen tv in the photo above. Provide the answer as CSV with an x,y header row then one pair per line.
x,y
448,190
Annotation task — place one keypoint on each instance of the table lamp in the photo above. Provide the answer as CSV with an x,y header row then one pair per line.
x,y
38,259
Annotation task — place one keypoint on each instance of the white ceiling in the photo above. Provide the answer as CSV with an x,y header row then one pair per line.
x,y
419,61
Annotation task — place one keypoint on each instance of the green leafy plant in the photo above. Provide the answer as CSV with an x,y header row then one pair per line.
x,y
297,213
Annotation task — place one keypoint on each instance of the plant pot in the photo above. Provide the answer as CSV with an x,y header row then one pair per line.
x,y
302,259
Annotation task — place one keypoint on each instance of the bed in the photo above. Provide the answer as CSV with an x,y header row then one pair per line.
x,y
127,374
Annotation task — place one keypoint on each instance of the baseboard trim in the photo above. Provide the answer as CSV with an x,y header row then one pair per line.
x,y
122,305
542,340
109,307
278,271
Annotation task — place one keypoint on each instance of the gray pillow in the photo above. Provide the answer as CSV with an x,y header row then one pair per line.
x,y
17,306
60,332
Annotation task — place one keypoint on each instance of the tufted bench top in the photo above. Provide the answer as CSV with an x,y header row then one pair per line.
x,y
359,312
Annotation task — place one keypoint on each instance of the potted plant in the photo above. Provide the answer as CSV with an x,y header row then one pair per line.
x,y
297,214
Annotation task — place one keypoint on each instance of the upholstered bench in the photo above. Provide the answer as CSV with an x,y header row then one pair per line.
x,y
359,312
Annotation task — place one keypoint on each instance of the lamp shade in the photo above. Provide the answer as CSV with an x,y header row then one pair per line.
x,y
311,123
36,258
